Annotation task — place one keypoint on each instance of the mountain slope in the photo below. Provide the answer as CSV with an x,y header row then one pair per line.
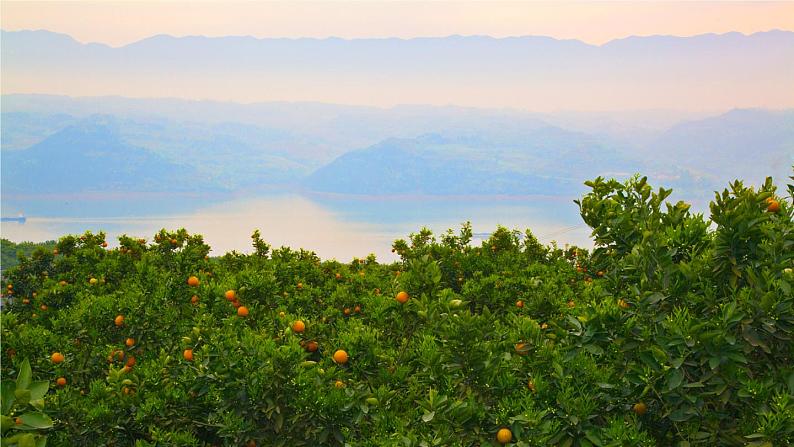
x,y
530,72
544,161
746,143
90,156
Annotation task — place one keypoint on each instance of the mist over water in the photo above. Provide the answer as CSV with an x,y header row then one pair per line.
x,y
333,226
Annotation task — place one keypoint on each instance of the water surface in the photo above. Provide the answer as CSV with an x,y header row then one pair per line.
x,y
334,226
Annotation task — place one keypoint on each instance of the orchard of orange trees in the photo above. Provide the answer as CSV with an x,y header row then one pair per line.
x,y
675,330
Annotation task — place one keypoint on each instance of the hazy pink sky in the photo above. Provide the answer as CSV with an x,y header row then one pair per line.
x,y
119,23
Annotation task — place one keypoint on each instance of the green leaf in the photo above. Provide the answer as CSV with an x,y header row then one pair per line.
x,y
7,389
279,422
427,417
714,362
6,423
39,389
41,441
751,336
675,379
27,440
790,383
680,415
38,404
22,396
36,420
593,349
592,437
23,379
654,298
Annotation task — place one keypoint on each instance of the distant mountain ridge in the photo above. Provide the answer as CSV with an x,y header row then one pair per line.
x,y
204,146
747,143
90,156
530,72
545,161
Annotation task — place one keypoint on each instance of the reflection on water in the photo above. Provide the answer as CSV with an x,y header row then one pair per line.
x,y
340,227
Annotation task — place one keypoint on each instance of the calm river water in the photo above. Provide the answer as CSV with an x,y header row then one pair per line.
x,y
333,226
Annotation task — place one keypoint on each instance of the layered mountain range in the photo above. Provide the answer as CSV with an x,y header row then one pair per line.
x,y
535,115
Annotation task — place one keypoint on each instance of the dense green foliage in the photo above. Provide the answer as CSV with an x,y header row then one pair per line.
x,y
674,330
11,251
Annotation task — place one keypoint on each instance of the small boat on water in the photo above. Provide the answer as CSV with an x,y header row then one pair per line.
x,y
20,219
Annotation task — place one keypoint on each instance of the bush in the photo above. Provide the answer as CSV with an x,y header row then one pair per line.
x,y
673,330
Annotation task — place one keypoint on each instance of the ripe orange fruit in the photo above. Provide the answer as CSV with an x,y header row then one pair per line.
x,y
188,355
300,286
18,421
104,244
531,385
55,251
640,408
346,311
130,361
194,299
623,304
544,326
242,311
402,297
57,357
298,326
173,241
773,206
119,320
230,295
357,309
520,304
600,273
339,384
61,381
193,281
340,357
9,286
43,307
571,304
504,435
522,348
25,301
129,342
311,346
338,276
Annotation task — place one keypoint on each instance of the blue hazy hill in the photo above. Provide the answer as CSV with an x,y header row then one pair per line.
x,y
367,150
90,156
740,144
711,72
548,160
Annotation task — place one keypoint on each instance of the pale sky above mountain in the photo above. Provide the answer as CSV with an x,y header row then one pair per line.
x,y
121,22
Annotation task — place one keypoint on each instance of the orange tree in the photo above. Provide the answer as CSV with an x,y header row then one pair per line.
x,y
673,330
